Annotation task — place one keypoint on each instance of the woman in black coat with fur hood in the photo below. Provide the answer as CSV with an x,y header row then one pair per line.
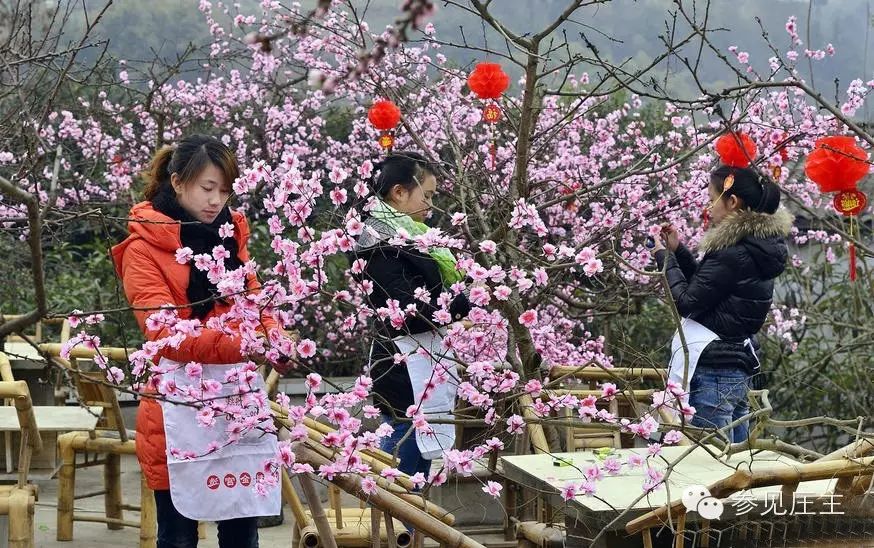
x,y
725,298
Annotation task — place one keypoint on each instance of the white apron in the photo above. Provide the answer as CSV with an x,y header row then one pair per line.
x,y
697,338
220,485
441,403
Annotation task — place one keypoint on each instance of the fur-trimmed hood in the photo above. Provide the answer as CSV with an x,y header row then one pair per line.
x,y
762,234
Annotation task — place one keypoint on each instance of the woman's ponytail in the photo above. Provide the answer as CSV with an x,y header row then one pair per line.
x,y
770,200
158,173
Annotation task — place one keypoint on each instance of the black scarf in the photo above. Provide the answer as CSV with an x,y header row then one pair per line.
x,y
201,238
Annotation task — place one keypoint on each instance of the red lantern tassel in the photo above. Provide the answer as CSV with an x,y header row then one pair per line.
x,y
852,262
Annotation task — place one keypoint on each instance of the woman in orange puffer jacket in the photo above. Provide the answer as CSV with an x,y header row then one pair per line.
x,y
187,190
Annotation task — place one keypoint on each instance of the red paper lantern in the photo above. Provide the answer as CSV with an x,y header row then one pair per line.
x,y
836,164
488,80
736,149
384,115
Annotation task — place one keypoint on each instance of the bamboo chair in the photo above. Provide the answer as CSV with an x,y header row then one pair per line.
x,y
834,466
348,526
38,335
17,501
630,402
344,526
103,447
22,344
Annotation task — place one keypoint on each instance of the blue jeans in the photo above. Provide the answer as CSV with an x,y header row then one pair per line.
x,y
408,453
719,396
177,531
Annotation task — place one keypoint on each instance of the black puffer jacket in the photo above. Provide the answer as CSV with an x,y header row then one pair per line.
x,y
396,273
731,289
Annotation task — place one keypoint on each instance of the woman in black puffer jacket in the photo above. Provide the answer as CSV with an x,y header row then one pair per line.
x,y
419,282
729,292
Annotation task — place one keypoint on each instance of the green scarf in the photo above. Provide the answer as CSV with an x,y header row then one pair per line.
x,y
441,255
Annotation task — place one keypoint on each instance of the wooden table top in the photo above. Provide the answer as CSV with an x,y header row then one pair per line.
x,y
53,418
616,493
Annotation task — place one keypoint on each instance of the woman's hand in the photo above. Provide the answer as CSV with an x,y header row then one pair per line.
x,y
286,359
657,245
671,238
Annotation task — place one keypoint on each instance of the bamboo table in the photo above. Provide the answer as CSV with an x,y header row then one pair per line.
x,y
50,418
586,515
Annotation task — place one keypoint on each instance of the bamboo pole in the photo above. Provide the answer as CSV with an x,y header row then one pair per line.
x,y
680,536
112,481
81,442
322,428
334,503
535,429
541,534
358,532
391,504
66,486
309,537
375,539
24,453
326,535
20,394
290,495
113,353
595,373
103,519
705,530
639,395
6,376
30,487
5,369
404,484
148,516
857,448
394,541
21,504
398,490
647,538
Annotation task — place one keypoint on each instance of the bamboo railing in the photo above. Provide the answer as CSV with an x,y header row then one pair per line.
x,y
742,480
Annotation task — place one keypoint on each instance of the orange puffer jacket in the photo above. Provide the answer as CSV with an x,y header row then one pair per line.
x,y
146,264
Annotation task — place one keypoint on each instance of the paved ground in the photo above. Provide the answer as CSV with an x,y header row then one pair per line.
x,y
96,534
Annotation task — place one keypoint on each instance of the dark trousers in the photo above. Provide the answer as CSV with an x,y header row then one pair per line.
x,y
177,531
408,453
